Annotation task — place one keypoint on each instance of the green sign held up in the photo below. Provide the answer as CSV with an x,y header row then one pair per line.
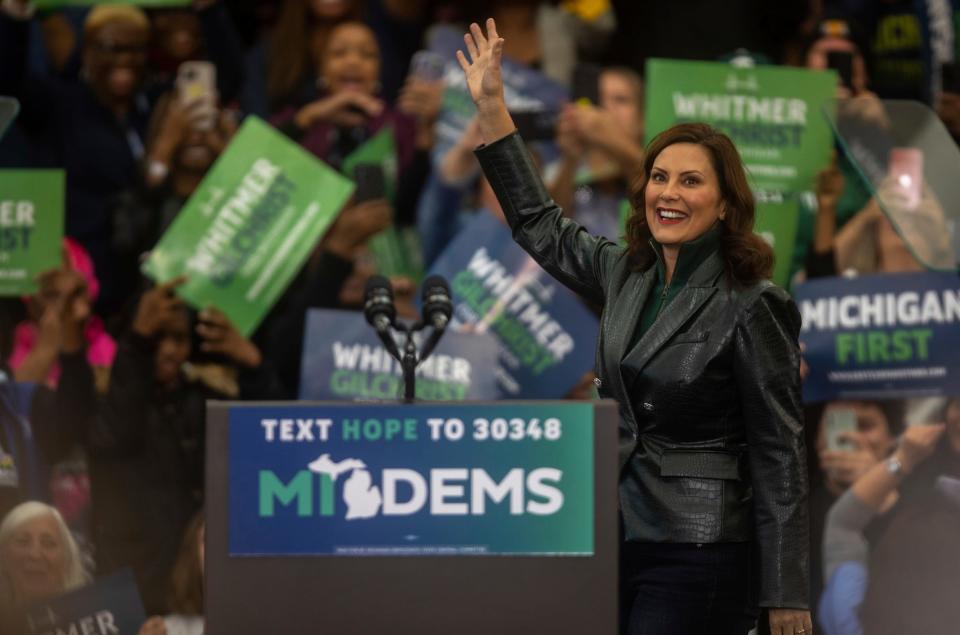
x,y
31,227
250,225
772,114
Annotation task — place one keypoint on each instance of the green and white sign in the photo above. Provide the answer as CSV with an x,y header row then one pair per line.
x,y
428,480
772,114
31,227
250,225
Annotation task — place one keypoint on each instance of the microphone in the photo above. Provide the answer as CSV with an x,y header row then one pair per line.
x,y
437,306
378,306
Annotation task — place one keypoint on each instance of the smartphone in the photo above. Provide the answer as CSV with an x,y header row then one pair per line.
x,y
950,77
371,182
842,62
427,65
535,125
837,421
197,88
586,84
905,171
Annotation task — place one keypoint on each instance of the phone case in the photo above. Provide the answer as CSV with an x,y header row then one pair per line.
x,y
905,171
837,422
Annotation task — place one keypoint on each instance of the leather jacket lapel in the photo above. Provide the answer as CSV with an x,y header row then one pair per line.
x,y
699,289
638,290
683,307
618,328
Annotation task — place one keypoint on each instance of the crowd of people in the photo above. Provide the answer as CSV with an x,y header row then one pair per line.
x,y
105,375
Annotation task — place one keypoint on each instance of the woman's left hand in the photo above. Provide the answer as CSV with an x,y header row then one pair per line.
x,y
221,336
790,622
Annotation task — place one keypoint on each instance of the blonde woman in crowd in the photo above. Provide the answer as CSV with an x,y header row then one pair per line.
x,y
39,559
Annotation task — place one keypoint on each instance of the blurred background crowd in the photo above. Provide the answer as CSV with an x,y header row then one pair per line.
x,y
112,372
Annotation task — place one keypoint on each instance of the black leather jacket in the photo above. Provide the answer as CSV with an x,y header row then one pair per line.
x,y
711,435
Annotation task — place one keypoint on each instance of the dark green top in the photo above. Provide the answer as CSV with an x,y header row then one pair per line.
x,y
691,255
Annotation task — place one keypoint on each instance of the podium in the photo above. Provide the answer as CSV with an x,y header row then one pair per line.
x,y
428,518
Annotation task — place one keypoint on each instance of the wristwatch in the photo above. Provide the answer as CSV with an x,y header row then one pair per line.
x,y
894,466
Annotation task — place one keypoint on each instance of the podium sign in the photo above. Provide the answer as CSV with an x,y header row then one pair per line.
x,y
375,480
486,515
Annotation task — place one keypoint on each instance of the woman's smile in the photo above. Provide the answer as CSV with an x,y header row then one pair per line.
x,y
671,216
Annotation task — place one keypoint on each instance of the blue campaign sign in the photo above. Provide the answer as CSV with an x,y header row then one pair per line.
x,y
881,336
547,336
110,606
432,479
19,467
343,359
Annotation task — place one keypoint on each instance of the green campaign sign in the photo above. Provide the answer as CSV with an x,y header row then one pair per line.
x,y
772,114
31,227
251,224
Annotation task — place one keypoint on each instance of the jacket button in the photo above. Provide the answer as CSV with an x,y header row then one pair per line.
x,y
647,406
597,382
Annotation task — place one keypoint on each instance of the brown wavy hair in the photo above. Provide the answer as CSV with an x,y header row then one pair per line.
x,y
747,257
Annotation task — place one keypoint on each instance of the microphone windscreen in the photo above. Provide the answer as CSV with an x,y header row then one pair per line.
x,y
378,300
378,283
437,305
435,285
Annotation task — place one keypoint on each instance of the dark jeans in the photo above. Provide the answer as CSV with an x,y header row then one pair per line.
x,y
682,589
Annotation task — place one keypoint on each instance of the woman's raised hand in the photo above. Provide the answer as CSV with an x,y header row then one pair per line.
x,y
485,81
483,71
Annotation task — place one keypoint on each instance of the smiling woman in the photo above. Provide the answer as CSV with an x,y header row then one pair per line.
x,y
692,179
682,197
700,351
115,53
352,60
38,559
